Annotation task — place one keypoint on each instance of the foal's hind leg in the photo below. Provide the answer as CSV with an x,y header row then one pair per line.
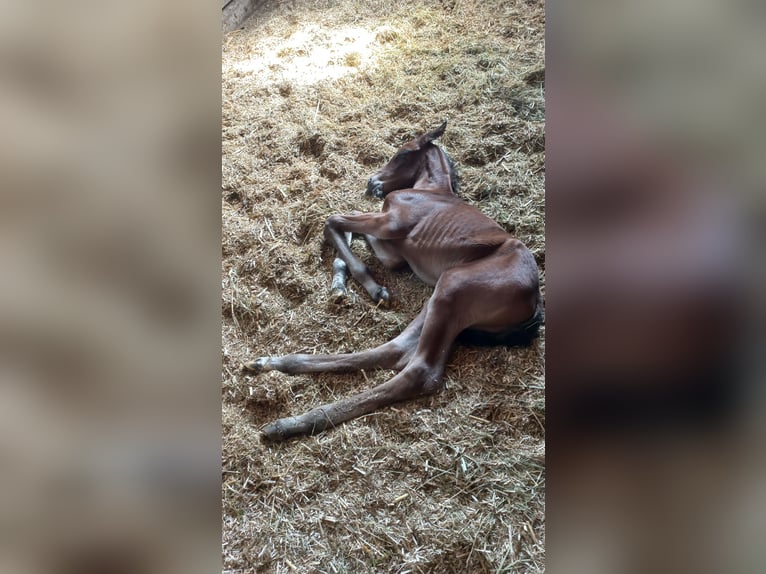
x,y
478,295
422,374
392,355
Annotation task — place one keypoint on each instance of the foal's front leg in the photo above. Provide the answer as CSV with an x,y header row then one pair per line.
x,y
380,225
383,251
339,275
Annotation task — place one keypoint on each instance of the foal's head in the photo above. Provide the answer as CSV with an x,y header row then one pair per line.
x,y
418,164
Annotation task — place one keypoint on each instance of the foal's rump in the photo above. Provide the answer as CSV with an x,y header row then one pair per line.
x,y
499,300
520,335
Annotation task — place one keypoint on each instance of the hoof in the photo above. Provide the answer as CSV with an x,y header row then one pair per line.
x,y
310,423
338,295
257,366
273,432
382,298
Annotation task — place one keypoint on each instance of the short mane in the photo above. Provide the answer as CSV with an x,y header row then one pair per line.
x,y
454,176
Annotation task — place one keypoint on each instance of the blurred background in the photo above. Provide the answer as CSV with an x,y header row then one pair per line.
x,y
654,210
109,264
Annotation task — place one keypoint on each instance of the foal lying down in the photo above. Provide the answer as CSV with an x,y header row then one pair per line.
x,y
486,285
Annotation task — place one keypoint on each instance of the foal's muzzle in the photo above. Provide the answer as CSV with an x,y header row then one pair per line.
x,y
375,187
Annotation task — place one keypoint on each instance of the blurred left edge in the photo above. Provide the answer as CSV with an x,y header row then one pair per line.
x,y
109,290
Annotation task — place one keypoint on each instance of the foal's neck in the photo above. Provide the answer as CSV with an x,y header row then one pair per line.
x,y
436,172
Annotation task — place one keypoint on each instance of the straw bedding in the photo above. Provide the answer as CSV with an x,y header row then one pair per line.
x,y
316,97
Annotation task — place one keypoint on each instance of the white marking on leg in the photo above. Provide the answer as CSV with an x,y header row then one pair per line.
x,y
339,275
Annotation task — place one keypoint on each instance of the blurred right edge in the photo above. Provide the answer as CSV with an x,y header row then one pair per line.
x,y
654,168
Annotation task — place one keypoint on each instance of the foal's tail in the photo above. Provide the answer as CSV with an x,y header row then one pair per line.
x,y
521,335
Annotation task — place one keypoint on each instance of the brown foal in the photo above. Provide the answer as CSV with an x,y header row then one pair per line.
x,y
486,285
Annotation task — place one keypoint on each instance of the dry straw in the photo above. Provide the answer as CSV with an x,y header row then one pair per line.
x,y
316,96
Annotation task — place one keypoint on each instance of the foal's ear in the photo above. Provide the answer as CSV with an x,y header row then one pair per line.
x,y
433,134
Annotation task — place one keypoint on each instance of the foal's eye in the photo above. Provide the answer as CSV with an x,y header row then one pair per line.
x,y
402,154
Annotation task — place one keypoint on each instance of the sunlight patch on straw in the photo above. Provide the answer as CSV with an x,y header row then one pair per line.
x,y
311,54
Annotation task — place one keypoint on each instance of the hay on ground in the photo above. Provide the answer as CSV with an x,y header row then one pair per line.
x,y
316,97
